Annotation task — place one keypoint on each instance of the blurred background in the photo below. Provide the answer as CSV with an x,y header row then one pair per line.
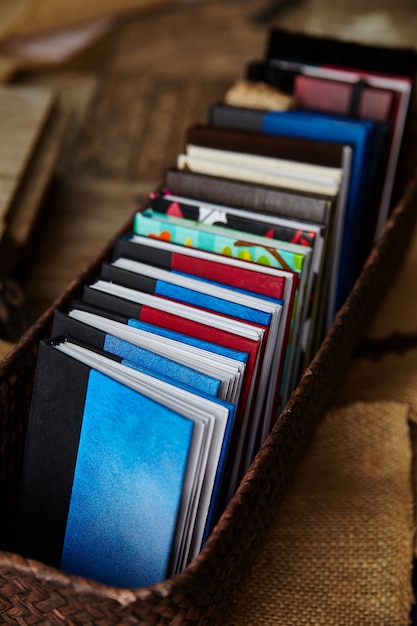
x,y
119,83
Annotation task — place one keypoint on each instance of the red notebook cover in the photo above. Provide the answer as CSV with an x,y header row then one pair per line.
x,y
272,284
336,97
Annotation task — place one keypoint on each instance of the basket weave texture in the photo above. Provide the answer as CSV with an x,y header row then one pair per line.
x,y
33,593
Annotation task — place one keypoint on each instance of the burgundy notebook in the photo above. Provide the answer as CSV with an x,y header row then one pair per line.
x,y
353,99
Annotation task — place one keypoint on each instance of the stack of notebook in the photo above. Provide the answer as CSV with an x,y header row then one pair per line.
x,y
159,385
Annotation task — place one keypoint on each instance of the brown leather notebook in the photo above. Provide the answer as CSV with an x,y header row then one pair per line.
x,y
235,193
252,142
292,205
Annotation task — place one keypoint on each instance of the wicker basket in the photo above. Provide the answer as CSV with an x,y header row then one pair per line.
x,y
33,593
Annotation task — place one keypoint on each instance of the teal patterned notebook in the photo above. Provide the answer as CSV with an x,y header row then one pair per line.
x,y
244,246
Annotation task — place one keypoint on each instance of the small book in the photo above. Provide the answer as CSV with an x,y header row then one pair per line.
x,y
261,170
336,97
149,361
296,48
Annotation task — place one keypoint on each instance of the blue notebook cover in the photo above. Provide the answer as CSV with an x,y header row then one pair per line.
x,y
185,295
123,511
101,484
161,366
212,303
316,126
215,501
144,358
237,355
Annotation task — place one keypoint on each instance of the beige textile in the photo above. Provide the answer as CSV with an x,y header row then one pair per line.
x,y
336,552
392,377
339,549
5,347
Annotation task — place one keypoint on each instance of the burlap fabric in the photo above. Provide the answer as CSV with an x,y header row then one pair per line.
x,y
387,369
5,347
341,546
339,550
391,377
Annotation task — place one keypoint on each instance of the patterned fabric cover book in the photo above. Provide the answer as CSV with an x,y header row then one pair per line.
x,y
299,233
246,246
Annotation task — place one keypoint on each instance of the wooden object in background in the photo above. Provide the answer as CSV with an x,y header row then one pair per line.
x,y
31,129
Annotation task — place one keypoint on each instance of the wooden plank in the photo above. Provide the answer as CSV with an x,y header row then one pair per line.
x,y
176,105
211,40
34,183
76,93
111,129
23,115
83,216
